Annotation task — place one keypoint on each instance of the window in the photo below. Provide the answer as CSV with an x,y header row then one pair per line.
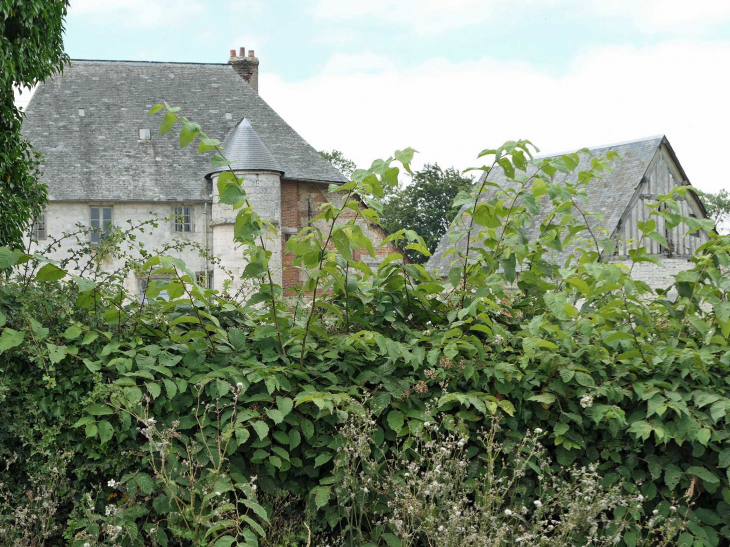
x,y
144,135
155,292
229,116
183,219
39,227
82,113
101,223
204,279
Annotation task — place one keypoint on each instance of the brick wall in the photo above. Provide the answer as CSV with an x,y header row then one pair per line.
x,y
290,224
309,199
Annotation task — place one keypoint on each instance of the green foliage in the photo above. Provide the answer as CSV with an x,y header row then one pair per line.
x,y
718,207
342,164
32,46
617,376
425,205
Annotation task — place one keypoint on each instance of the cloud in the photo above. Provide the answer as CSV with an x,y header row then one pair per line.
x,y
340,64
429,16
658,15
22,96
139,13
450,111
420,15
258,40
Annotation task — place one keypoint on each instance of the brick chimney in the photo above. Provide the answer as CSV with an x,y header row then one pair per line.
x,y
246,67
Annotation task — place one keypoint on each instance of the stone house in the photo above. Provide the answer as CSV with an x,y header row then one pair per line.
x,y
645,168
105,163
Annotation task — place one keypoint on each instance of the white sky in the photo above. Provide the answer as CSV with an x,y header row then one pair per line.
x,y
452,77
366,107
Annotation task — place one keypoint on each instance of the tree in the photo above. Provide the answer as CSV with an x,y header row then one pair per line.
x,y
31,42
425,205
336,158
718,207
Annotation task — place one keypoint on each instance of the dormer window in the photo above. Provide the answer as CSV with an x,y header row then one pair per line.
x,y
144,135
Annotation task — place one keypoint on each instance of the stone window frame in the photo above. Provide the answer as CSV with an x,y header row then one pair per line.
x,y
39,231
103,224
182,222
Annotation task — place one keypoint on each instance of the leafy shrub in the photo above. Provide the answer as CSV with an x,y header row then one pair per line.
x,y
623,380
429,494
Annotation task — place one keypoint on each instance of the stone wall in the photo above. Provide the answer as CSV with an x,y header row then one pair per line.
x,y
659,277
63,217
264,192
288,205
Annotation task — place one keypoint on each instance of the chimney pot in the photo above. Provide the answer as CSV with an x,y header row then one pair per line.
x,y
247,67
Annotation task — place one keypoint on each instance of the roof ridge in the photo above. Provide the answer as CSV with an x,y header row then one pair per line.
x,y
599,147
146,62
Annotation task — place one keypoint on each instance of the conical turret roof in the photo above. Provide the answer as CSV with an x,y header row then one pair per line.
x,y
245,151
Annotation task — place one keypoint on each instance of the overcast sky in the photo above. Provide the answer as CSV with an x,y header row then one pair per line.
x,y
452,77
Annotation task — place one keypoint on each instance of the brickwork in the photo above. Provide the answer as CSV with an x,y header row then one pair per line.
x,y
246,67
312,196
289,225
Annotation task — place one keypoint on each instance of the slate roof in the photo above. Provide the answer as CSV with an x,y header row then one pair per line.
x,y
609,195
98,156
244,151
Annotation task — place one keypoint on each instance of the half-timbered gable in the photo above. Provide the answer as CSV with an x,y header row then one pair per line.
x,y
663,174
642,171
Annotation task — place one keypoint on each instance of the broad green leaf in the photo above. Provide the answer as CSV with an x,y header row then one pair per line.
x,y
56,353
261,429
237,339
10,338
704,474
50,272
106,431
321,496
170,388
276,416
154,389
322,459
285,405
99,410
145,483
396,420
546,398
167,123
73,332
